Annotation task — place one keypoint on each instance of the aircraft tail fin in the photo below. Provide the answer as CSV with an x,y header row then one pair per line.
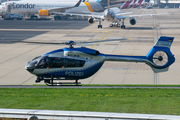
x,y
78,3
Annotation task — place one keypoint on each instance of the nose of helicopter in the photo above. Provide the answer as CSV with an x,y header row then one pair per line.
x,y
30,66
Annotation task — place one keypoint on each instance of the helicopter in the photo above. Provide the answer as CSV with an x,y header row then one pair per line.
x,y
80,63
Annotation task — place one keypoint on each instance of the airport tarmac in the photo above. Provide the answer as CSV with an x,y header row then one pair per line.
x,y
134,40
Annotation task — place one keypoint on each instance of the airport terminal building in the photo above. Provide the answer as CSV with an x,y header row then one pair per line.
x,y
169,3
166,3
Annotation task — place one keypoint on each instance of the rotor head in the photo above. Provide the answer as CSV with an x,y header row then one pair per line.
x,y
71,43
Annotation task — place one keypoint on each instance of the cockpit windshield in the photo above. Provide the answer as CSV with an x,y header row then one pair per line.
x,y
34,62
39,62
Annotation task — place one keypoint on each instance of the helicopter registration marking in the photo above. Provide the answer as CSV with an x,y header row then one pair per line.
x,y
70,73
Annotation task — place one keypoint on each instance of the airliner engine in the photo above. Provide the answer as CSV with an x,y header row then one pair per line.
x,y
44,13
132,21
91,21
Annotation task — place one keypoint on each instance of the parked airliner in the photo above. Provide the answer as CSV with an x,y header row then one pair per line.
x,y
46,8
43,8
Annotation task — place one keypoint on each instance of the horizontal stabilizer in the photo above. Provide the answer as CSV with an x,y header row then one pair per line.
x,y
159,70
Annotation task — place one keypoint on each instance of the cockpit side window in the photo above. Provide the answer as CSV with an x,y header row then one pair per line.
x,y
43,63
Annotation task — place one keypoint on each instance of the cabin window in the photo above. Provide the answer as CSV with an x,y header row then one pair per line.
x,y
64,62
69,63
55,62
73,63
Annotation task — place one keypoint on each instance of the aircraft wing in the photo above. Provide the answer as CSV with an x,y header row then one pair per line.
x,y
122,13
62,9
94,13
100,15
130,16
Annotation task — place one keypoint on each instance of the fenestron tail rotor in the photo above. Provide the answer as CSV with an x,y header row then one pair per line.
x,y
160,58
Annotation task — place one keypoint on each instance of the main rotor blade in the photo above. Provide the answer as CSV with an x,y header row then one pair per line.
x,y
78,43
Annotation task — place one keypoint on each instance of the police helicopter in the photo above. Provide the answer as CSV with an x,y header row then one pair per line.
x,y
80,63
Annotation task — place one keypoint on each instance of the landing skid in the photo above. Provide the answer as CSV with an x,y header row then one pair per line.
x,y
52,83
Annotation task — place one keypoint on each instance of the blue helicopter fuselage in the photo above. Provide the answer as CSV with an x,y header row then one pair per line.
x,y
74,63
80,63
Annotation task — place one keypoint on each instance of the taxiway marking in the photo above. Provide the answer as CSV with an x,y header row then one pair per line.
x,y
103,37
100,31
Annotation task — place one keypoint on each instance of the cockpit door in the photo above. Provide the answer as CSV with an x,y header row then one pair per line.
x,y
43,65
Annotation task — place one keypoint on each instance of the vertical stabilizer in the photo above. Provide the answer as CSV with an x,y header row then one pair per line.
x,y
160,56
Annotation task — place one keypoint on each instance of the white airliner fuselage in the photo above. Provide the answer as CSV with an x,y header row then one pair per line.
x,y
31,7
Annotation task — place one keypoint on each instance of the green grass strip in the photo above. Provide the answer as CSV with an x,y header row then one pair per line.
x,y
146,101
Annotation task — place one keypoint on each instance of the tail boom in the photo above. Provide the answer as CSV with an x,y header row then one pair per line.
x,y
159,58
